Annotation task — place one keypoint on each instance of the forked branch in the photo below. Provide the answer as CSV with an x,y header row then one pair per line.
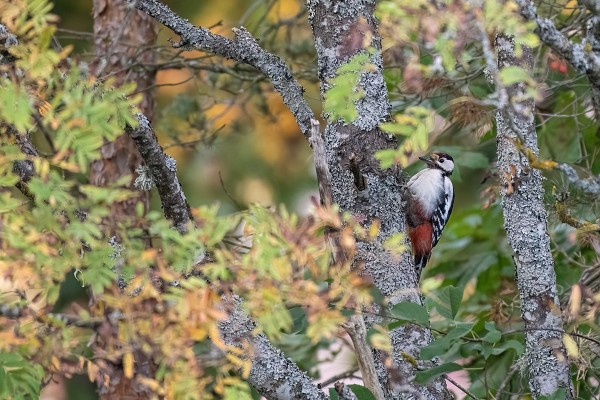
x,y
243,48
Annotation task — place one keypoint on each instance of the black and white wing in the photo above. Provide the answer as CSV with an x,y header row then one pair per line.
x,y
442,212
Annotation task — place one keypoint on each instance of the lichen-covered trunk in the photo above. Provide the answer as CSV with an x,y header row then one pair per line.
x,y
525,221
343,29
123,38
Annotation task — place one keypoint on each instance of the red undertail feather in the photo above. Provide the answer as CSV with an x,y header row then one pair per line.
x,y
421,240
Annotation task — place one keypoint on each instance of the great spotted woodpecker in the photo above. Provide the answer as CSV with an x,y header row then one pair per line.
x,y
430,199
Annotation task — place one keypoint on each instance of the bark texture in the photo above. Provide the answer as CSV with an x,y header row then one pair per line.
x,y
343,29
525,221
163,170
123,40
275,376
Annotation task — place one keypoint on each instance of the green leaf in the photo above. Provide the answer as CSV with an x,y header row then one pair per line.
x,y
361,392
8,202
441,345
423,377
488,349
387,158
513,74
493,335
344,91
15,106
19,378
333,394
450,300
435,349
411,312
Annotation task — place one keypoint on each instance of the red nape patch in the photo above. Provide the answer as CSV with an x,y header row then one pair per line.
x,y
421,238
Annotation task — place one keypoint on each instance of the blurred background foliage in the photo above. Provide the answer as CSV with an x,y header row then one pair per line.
x,y
236,143
230,133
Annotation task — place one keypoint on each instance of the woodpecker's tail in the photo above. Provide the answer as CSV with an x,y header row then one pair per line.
x,y
421,261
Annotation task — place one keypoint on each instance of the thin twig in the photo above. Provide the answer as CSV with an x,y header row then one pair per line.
x,y
359,180
507,378
358,333
460,387
574,334
322,170
238,205
335,378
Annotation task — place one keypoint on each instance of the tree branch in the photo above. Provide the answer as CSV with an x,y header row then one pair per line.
x,y
346,374
243,48
583,59
272,373
275,376
588,185
164,173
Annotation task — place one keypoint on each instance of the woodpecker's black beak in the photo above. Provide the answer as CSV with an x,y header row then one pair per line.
x,y
427,161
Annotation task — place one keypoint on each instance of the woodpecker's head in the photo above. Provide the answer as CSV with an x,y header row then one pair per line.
x,y
441,161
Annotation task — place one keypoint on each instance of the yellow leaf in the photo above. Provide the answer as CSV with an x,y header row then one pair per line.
x,y
128,365
92,371
246,369
149,254
55,363
374,229
198,334
381,341
571,346
409,358
152,384
44,108
575,300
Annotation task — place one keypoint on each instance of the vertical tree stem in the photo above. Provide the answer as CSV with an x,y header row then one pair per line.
x,y
525,221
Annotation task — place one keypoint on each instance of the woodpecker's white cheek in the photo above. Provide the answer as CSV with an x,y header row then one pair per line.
x,y
427,185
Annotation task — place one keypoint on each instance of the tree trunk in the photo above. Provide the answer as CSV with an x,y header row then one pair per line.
x,y
343,29
124,38
124,41
525,222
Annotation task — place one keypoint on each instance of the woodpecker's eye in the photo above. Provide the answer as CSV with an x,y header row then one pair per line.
x,y
442,160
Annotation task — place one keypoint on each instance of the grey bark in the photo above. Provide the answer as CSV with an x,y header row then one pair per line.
x,y
164,173
340,28
344,392
525,221
273,374
589,185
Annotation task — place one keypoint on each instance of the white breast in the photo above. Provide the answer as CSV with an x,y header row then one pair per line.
x,y
427,185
